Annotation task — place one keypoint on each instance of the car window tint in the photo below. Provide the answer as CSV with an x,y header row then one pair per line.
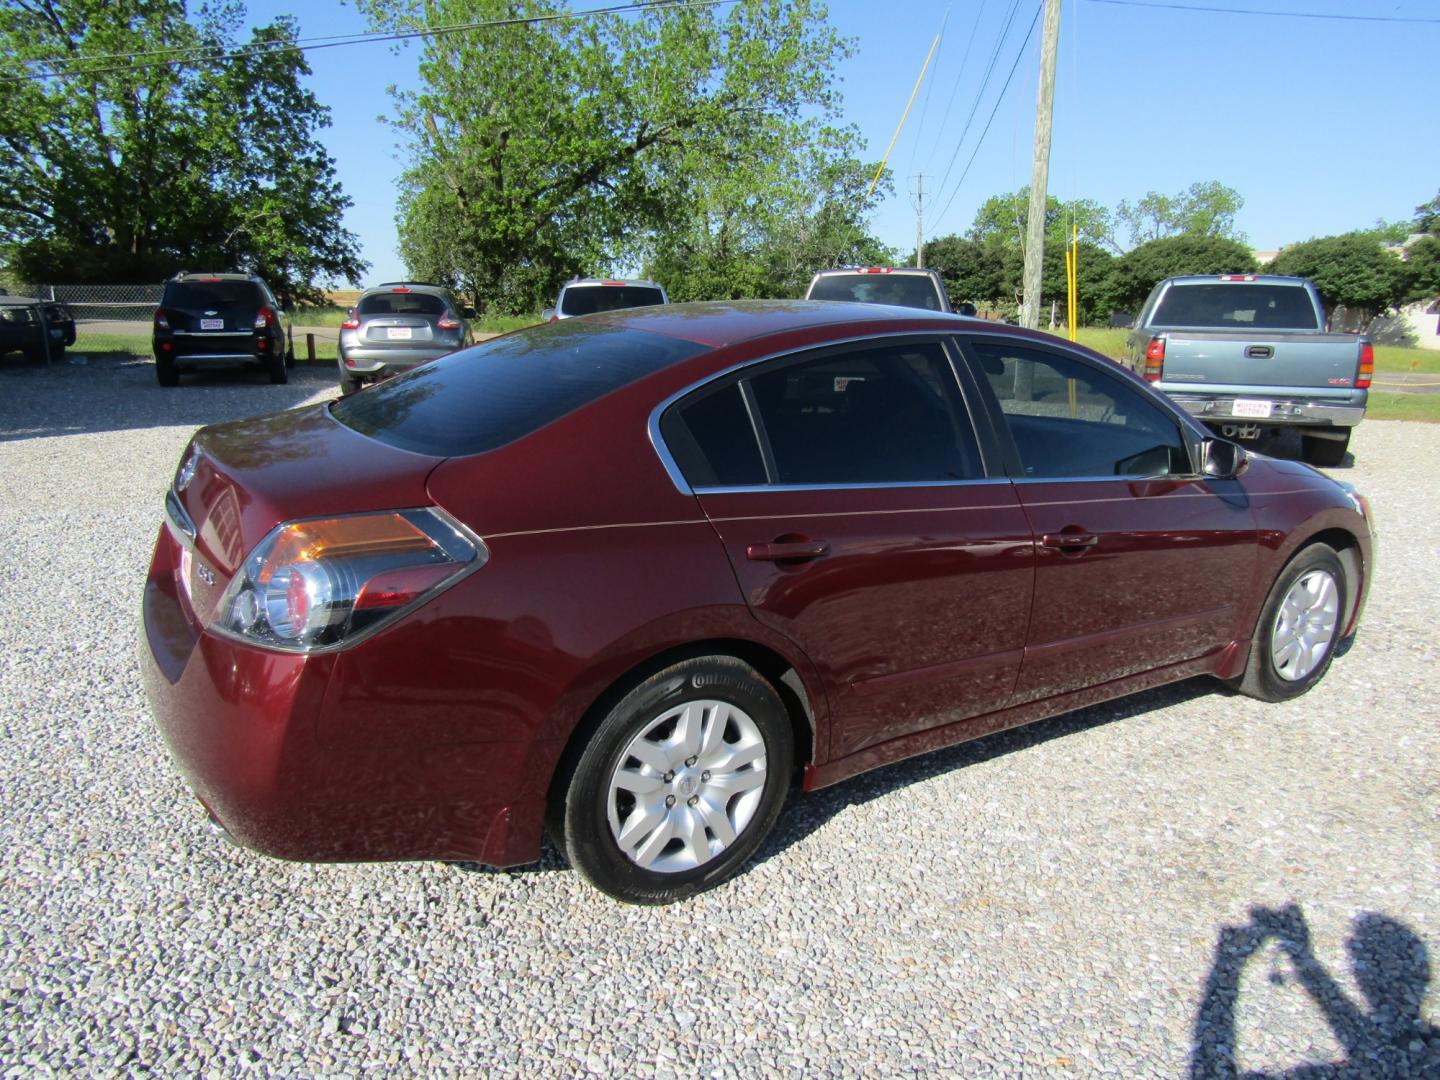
x,y
902,290
891,414
1224,305
713,441
491,394
1070,419
216,294
401,304
588,299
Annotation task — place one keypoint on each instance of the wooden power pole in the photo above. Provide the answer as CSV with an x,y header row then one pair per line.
x,y
1040,169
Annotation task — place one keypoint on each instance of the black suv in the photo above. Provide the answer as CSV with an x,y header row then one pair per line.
x,y
210,320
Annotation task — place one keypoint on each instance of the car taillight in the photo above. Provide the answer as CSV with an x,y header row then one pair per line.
x,y
447,323
162,321
1237,277
263,318
322,583
875,270
1367,366
1154,359
351,323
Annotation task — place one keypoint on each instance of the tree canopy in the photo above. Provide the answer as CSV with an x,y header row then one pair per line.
x,y
1206,208
1351,271
125,171
1141,268
699,140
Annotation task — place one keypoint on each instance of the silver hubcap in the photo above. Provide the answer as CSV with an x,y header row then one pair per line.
x,y
1305,625
687,786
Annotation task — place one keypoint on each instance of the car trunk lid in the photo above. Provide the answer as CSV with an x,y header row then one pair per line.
x,y
1227,361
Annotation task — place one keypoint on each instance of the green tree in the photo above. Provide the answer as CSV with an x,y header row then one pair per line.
x,y
126,171
1140,269
1427,216
1422,264
1207,208
1351,271
1002,219
540,149
972,270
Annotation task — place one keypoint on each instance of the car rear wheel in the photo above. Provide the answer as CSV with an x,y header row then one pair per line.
x,y
166,373
1321,451
1299,627
349,384
680,783
275,368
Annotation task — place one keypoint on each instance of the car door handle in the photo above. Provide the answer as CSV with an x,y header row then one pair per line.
x,y
1065,540
780,550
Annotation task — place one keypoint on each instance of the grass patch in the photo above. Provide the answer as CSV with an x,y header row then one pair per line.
x,y
1423,407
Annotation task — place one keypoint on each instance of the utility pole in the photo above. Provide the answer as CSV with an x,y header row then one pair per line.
x,y
920,221
1040,169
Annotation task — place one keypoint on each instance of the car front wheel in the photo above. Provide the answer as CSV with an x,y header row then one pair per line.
x,y
680,783
1299,627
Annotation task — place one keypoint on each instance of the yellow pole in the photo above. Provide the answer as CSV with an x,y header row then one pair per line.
x,y
923,68
1074,302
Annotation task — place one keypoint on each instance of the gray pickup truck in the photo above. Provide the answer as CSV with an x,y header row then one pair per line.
x,y
1248,352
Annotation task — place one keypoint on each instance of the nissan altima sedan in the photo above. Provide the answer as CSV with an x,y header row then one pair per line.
x,y
631,578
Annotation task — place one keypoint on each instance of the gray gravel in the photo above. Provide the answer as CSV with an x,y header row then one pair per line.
x,y
1043,903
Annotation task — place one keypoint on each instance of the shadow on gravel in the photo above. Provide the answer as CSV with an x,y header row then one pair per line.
x,y
804,813
1286,444
1383,1037
121,394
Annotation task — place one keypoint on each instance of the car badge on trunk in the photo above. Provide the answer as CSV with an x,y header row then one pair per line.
x,y
212,313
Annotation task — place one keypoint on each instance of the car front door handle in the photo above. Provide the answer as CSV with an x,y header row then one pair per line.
x,y
781,550
1067,540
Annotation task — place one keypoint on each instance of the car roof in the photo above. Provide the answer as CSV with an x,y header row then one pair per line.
x,y
406,286
22,301
205,275
611,281
1244,279
718,323
877,269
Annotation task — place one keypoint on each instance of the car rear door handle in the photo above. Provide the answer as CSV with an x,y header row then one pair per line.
x,y
1064,540
780,550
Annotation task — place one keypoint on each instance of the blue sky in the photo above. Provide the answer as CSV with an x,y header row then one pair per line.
x,y
1322,125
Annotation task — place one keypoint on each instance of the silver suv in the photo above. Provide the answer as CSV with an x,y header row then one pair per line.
x,y
901,286
585,296
397,325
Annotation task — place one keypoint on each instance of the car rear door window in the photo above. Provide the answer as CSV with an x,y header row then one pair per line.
x,y
215,294
713,441
1068,418
901,290
588,299
401,304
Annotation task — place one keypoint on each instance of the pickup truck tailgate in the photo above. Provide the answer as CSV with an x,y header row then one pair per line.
x,y
1215,360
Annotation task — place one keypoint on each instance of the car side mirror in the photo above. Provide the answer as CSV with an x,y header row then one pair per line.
x,y
467,313
967,308
1222,459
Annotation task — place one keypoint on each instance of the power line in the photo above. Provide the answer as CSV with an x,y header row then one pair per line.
x,y
204,53
959,74
980,93
958,183
929,87
1276,14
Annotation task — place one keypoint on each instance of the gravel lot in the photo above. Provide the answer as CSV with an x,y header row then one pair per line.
x,y
1074,899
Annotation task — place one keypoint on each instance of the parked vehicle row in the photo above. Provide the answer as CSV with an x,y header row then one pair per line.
x,y
627,577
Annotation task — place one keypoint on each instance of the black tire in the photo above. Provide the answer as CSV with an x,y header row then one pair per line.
x,y
1326,452
166,373
1263,678
581,815
349,384
275,368
290,357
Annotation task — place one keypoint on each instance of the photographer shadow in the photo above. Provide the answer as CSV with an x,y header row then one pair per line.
x,y
1384,1037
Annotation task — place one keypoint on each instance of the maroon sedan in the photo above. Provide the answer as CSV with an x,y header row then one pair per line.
x,y
629,576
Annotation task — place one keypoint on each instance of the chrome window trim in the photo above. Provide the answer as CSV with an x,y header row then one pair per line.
x,y
673,469
751,489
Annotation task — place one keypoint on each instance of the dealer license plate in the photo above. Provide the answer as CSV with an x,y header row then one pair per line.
x,y
212,324
1259,409
400,333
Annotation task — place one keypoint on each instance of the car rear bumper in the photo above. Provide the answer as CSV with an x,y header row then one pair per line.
x,y
1284,411
386,360
245,728
214,348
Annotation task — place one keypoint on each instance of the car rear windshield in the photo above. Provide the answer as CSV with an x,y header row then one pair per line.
x,y
216,294
1225,306
588,299
483,397
392,303
902,290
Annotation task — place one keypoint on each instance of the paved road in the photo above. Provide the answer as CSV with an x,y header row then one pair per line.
x,y
1182,881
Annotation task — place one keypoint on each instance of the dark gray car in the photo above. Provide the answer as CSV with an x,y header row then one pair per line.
x,y
395,326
